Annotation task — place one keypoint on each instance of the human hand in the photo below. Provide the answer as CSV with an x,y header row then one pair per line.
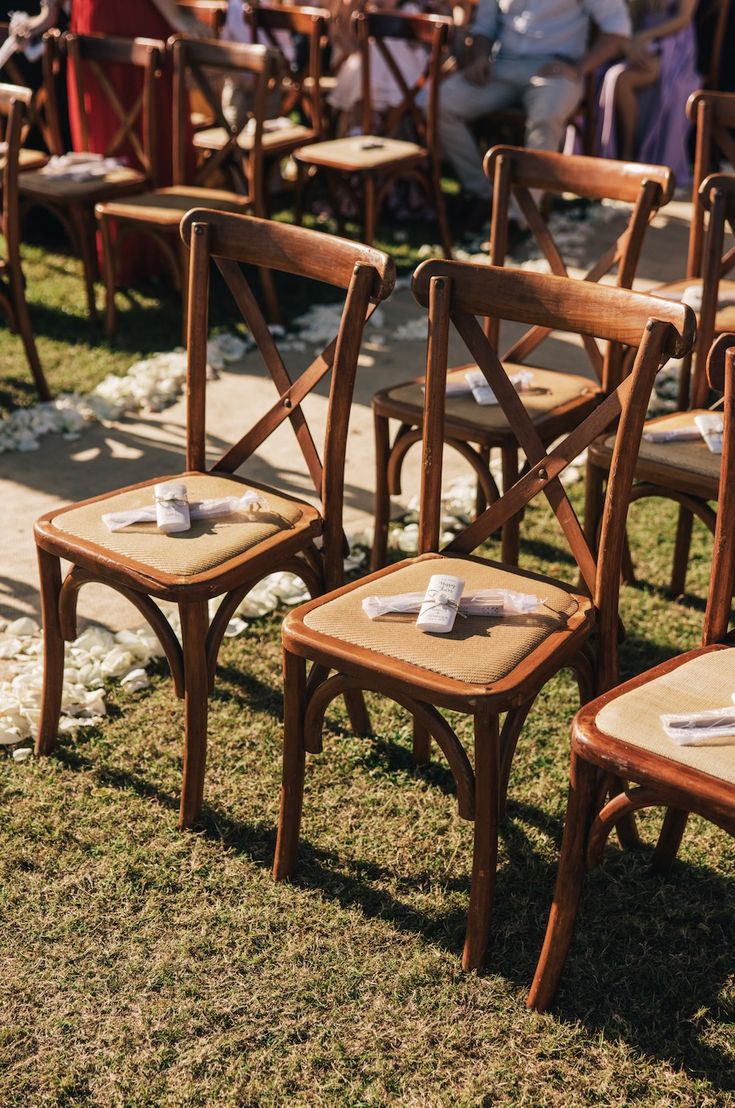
x,y
559,68
637,52
29,27
477,71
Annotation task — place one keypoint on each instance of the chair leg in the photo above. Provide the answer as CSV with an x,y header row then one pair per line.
x,y
49,568
485,847
184,286
441,214
669,840
572,865
357,711
23,323
421,745
381,521
194,623
370,212
294,759
512,527
480,498
85,228
682,544
108,276
593,500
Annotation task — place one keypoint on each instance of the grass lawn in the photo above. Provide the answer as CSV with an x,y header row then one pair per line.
x,y
140,966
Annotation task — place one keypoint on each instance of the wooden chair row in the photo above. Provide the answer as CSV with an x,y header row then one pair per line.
x,y
486,666
474,431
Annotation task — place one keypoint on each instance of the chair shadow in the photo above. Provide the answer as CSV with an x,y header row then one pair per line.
x,y
622,983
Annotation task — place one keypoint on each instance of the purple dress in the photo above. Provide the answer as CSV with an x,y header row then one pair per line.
x,y
663,127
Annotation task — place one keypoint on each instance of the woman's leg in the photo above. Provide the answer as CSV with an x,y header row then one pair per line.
x,y
627,87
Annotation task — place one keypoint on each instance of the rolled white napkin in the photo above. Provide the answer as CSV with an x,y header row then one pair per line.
x,y
482,392
79,166
671,434
710,428
693,728
198,509
172,507
439,607
481,602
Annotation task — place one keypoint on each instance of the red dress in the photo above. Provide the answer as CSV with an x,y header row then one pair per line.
x,y
126,19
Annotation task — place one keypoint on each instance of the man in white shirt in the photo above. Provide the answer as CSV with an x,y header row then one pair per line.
x,y
533,54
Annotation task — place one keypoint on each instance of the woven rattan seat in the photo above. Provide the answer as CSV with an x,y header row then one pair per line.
x,y
208,544
696,686
360,152
169,204
549,392
214,138
478,650
692,456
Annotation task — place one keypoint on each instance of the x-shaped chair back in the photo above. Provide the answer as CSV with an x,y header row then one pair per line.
x,y
713,115
195,63
523,174
265,20
457,293
135,132
15,104
39,112
366,275
428,31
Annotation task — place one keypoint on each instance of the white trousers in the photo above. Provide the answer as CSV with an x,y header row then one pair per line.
x,y
548,102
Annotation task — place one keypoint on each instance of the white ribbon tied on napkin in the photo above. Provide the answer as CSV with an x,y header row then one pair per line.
x,y
693,728
481,602
198,509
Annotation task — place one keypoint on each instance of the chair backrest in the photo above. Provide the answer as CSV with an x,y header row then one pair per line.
x,y
212,13
721,374
38,113
199,64
716,198
458,292
301,84
15,104
384,29
89,58
366,275
713,115
518,173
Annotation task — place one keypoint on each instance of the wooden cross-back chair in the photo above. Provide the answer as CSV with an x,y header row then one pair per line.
x,y
73,201
212,13
246,155
229,556
14,103
557,400
157,212
683,471
485,666
302,88
379,157
621,734
39,113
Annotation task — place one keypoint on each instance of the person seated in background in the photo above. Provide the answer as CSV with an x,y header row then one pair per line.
x,y
643,98
532,54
